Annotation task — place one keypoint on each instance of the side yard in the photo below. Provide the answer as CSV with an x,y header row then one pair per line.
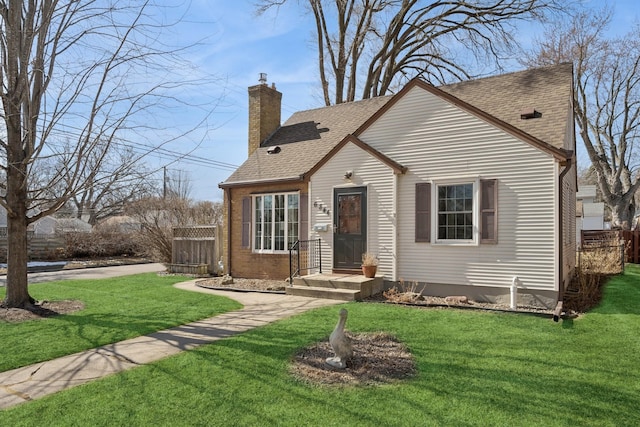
x,y
473,368
114,310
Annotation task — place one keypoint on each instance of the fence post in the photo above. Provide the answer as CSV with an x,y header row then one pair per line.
x,y
580,259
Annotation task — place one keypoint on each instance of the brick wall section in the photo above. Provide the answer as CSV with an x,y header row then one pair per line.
x,y
245,263
264,114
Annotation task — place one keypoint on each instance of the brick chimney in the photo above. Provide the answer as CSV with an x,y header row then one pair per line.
x,y
264,112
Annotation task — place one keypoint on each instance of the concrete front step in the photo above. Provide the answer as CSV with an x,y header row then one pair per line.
x,y
331,282
336,286
325,293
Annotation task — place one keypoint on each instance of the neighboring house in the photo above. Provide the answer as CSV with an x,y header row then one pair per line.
x,y
47,226
464,188
121,224
73,225
589,213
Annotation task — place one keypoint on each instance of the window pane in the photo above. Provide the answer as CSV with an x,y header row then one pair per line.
x,y
268,222
292,219
468,232
468,204
258,227
349,214
455,212
279,222
451,191
279,236
468,191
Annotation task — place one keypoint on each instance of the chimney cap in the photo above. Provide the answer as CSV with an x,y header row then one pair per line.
x,y
263,78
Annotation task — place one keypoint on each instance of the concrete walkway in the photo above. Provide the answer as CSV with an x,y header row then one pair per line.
x,y
41,379
91,273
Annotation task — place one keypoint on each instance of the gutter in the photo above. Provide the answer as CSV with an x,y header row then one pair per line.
x,y
567,168
268,181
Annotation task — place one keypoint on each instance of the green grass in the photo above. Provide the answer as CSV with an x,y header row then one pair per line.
x,y
115,309
474,369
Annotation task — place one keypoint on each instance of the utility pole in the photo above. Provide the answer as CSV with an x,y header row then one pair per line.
x,y
164,183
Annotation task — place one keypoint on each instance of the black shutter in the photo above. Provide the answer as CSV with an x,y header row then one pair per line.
x,y
488,211
246,222
423,212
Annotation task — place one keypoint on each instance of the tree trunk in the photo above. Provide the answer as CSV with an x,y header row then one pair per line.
x,y
17,285
622,214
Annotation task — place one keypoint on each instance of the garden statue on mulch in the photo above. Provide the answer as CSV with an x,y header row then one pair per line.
x,y
340,343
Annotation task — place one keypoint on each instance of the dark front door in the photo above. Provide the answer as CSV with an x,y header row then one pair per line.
x,y
350,227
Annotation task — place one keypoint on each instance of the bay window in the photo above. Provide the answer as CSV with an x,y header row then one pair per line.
x,y
275,219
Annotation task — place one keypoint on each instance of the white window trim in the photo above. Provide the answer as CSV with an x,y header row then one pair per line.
x,y
475,180
273,223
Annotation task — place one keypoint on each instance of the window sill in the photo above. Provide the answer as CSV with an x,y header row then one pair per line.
x,y
464,243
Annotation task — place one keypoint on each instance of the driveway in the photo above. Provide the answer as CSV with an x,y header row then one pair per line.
x,y
91,273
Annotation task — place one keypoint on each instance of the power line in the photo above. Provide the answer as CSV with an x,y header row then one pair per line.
x,y
164,153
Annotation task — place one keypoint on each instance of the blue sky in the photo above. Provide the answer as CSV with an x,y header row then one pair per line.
x,y
236,47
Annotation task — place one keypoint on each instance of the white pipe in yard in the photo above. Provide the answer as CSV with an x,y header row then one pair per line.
x,y
514,292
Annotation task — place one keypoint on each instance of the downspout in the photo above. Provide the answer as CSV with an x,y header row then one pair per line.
x,y
394,244
558,309
228,191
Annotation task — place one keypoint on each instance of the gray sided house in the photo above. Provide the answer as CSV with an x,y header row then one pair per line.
x,y
465,189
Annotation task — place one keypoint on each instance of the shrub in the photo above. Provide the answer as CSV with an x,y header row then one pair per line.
x,y
405,292
596,263
100,244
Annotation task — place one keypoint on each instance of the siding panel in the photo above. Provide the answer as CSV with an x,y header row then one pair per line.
x,y
435,140
378,178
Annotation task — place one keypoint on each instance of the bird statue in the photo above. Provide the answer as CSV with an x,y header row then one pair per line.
x,y
340,343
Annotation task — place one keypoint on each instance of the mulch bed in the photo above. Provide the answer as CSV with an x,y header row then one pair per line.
x,y
378,358
42,309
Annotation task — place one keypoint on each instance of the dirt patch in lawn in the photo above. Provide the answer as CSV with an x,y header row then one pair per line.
x,y
40,310
378,358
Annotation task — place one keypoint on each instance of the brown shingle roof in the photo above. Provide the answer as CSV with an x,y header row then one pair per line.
x,y
309,135
547,90
304,140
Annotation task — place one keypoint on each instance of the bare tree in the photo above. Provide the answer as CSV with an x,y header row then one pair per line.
x,y
176,184
158,216
606,101
95,72
373,46
112,182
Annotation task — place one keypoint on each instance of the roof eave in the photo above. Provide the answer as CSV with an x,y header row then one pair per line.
x,y
260,182
397,168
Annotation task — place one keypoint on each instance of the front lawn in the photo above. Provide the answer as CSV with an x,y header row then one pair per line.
x,y
474,369
115,309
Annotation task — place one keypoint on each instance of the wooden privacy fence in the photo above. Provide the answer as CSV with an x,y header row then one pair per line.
x,y
630,239
196,249
40,248
632,243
